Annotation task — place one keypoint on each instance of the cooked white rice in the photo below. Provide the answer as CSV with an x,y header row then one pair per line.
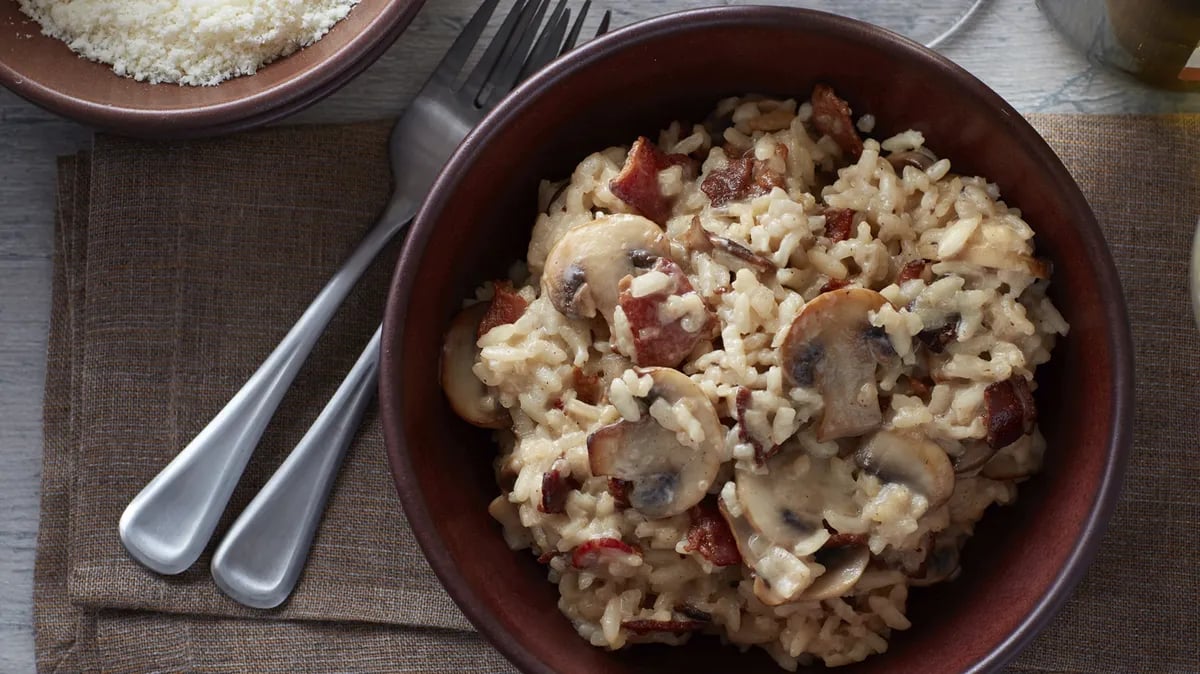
x,y
979,290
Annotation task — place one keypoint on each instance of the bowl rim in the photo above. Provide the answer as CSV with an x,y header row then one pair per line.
x,y
410,492
259,108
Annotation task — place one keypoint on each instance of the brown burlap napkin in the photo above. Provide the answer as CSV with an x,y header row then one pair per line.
x,y
179,266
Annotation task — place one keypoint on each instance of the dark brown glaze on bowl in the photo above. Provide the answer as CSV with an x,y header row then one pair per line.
x,y
46,72
1025,559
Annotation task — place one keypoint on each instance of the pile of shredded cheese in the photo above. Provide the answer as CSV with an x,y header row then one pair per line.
x,y
193,42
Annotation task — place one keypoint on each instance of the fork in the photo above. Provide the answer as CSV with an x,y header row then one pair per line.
x,y
169,523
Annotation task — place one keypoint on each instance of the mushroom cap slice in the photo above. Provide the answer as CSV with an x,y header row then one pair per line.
x,y
833,346
666,475
998,246
941,562
913,461
469,397
583,269
786,513
844,565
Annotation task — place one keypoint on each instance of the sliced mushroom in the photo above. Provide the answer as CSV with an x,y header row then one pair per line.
x,y
941,563
997,246
583,269
729,252
975,455
833,347
920,159
785,513
665,476
1009,410
843,567
468,396
918,463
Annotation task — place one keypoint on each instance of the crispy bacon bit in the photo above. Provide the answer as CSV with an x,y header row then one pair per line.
x,y
833,284
1010,411
831,116
555,490
620,491
637,183
694,613
591,551
558,404
710,536
766,179
839,223
545,557
843,540
919,387
587,387
936,339
913,269
656,343
733,181
506,307
641,627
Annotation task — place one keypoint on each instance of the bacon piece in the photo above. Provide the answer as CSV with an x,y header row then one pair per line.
x,y
545,557
843,540
506,307
656,343
733,181
587,387
831,116
913,269
620,491
641,627
839,223
591,551
710,536
919,387
637,183
555,490
833,284
1010,411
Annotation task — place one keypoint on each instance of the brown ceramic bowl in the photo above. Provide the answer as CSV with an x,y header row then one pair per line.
x,y
1024,560
46,72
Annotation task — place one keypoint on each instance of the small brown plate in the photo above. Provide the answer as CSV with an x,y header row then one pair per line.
x,y
46,72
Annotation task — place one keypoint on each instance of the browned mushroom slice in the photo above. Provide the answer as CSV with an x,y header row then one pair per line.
x,y
941,563
1010,411
844,565
975,455
995,245
664,476
833,347
918,463
468,396
920,159
729,252
583,269
785,513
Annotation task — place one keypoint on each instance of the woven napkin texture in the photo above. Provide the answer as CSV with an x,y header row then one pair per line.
x,y
179,266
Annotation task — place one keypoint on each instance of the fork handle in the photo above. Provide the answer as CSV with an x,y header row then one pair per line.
x,y
169,523
260,559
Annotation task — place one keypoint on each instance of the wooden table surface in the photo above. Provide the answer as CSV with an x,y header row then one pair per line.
x,y
1007,43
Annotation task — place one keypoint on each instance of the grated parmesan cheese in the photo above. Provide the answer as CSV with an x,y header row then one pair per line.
x,y
194,42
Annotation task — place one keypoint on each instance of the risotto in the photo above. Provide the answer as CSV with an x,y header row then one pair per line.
x,y
757,378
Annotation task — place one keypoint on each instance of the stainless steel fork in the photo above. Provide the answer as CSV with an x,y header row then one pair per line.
x,y
169,523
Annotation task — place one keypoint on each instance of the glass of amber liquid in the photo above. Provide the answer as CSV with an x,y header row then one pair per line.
x,y
1157,41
